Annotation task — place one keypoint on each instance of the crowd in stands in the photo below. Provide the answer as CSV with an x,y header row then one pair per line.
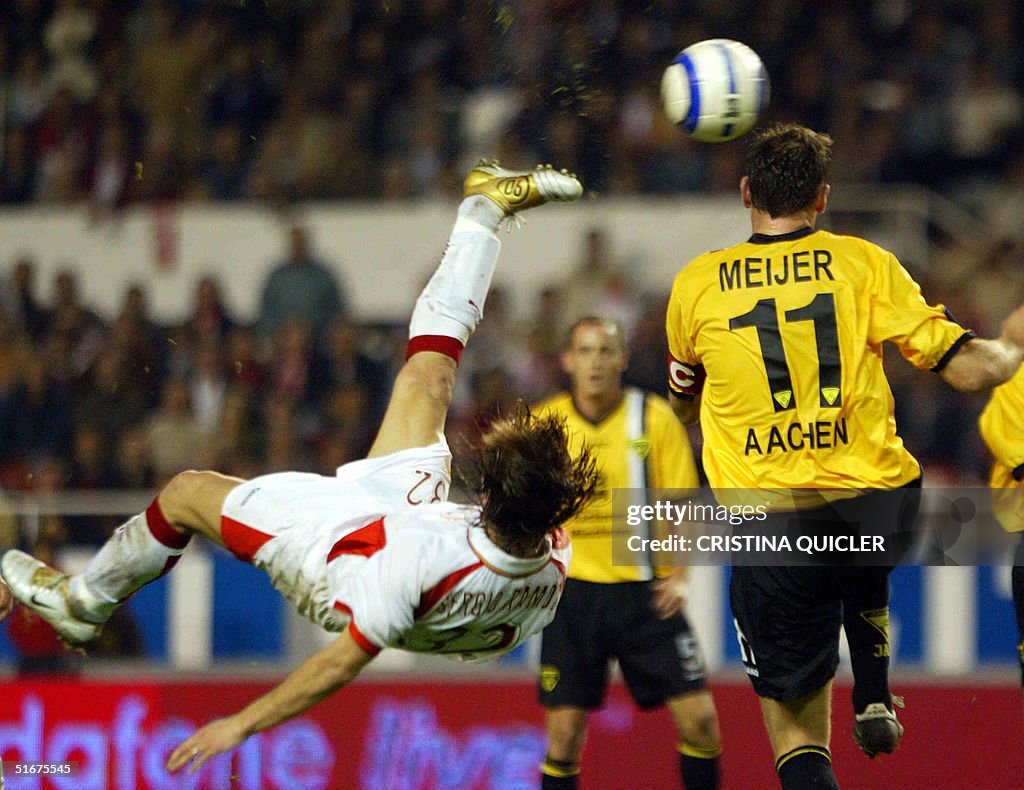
x,y
113,101
90,403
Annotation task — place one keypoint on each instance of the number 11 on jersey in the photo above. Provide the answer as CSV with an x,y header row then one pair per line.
x,y
821,311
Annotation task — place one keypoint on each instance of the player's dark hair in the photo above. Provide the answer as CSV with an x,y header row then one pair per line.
x,y
525,479
786,165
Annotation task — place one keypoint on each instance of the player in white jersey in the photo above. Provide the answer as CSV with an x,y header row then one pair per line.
x,y
375,552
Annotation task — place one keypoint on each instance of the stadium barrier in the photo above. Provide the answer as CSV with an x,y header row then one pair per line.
x,y
443,735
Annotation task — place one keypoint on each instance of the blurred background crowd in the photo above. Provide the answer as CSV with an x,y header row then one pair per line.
x,y
123,100
110,103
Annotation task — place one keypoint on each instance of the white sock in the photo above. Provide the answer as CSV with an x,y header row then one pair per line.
x,y
132,557
452,303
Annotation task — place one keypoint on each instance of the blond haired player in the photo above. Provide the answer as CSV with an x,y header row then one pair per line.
x,y
375,552
1002,428
633,613
776,346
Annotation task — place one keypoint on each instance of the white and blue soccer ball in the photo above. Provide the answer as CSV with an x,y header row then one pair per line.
x,y
715,90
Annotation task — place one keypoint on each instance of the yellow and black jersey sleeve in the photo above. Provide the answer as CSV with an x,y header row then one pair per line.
x,y
788,332
926,335
685,373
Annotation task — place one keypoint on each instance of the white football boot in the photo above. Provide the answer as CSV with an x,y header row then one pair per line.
x,y
43,590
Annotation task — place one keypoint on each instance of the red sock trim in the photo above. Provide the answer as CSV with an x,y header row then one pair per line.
x,y
161,528
442,344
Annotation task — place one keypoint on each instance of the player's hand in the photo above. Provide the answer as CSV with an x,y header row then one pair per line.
x,y
6,601
670,596
1013,328
217,737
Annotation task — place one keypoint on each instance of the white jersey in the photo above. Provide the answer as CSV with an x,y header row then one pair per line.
x,y
422,576
438,584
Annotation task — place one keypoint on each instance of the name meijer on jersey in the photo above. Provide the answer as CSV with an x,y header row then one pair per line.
x,y
800,267
756,272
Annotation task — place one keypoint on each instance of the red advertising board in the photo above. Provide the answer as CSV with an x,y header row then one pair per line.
x,y
460,736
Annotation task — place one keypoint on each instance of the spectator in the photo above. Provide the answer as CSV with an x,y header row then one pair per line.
x,y
236,437
226,169
240,96
69,31
291,370
105,400
245,371
348,428
134,469
283,448
207,384
599,286
27,311
110,179
648,349
161,174
174,437
210,318
139,342
29,93
300,288
80,327
47,478
343,364
90,469
36,417
18,175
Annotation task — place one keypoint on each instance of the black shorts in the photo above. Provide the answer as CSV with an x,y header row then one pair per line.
x,y
660,659
788,618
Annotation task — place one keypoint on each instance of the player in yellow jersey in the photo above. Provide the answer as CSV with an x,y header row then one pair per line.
x,y
634,613
776,346
1002,428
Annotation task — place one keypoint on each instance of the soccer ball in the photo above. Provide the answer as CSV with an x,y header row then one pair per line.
x,y
715,90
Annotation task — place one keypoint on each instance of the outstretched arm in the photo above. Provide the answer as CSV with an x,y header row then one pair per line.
x,y
983,364
316,678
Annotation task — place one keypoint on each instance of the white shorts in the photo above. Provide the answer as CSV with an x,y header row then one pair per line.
x,y
286,523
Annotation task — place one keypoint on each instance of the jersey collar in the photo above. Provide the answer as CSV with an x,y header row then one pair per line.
x,y
499,561
793,235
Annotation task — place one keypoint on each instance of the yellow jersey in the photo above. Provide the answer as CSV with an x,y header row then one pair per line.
x,y
641,444
1002,428
782,337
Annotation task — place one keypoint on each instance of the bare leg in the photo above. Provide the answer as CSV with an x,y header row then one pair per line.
x,y
567,732
452,303
800,722
141,550
800,731
446,313
148,545
700,739
419,404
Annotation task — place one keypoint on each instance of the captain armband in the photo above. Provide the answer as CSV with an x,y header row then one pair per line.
x,y
685,379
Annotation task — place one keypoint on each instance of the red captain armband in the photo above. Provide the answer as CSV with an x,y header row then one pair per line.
x,y
684,379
